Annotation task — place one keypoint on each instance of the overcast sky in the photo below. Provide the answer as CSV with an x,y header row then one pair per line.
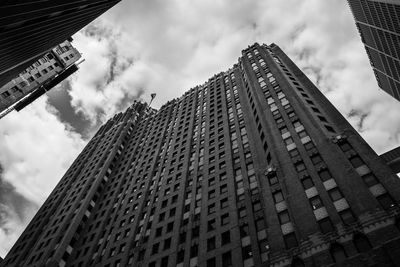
x,y
167,47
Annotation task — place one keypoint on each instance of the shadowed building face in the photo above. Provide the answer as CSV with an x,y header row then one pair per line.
x,y
29,29
378,22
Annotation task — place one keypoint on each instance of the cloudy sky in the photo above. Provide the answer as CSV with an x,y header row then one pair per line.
x,y
167,47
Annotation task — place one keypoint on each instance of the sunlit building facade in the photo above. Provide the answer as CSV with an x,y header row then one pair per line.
x,y
255,167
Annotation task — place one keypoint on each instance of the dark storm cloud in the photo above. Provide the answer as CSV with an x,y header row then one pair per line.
x,y
360,115
60,99
12,202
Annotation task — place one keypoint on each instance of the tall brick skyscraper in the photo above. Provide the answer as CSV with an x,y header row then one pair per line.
x,y
252,168
378,22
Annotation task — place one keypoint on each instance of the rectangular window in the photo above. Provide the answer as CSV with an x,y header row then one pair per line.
x,y
356,161
335,194
211,262
386,201
290,240
211,244
225,219
278,197
227,259
316,202
370,179
284,217
325,225
324,175
225,238
211,225
307,182
300,166
211,209
273,180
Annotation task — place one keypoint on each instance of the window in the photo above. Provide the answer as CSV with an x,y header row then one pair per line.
x,y
260,224
227,259
302,134
223,189
211,262
224,203
170,227
329,128
211,225
244,230
246,252
257,206
293,153
361,243
182,237
225,219
386,201
195,232
242,212
284,130
307,182
164,261
155,248
309,145
194,251
278,197
356,161
211,194
211,209
211,182
344,146
316,202
167,243
5,94
337,252
284,217
225,238
316,159
325,225
335,194
273,180
211,244
180,257
290,240
324,175
370,179
288,141
300,166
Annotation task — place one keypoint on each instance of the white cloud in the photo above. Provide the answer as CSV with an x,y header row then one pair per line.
x,y
36,149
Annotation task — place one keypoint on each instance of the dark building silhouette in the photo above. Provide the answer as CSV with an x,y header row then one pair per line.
x,y
392,158
378,22
29,29
255,167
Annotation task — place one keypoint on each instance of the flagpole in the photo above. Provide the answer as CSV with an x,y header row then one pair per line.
x,y
152,97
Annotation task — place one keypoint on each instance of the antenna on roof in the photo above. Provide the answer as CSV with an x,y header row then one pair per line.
x,y
152,97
